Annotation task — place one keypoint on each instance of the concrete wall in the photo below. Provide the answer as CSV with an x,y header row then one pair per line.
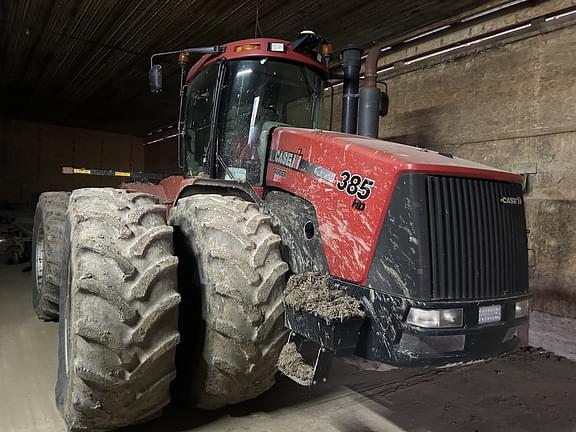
x,y
512,107
32,156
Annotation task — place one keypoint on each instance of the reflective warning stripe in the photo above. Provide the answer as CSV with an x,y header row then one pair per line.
x,y
81,171
113,173
97,172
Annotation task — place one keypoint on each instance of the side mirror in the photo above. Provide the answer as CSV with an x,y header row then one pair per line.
x,y
155,77
384,103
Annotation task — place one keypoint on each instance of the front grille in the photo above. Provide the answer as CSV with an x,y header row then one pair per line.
x,y
477,242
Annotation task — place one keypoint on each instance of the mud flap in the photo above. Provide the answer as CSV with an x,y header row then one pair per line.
x,y
313,342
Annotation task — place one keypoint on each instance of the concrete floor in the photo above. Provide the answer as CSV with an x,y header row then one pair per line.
x,y
28,359
532,390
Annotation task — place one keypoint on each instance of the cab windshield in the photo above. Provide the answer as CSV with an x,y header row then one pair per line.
x,y
257,95
260,95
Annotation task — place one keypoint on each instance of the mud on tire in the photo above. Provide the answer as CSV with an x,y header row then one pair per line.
x,y
47,241
241,277
118,326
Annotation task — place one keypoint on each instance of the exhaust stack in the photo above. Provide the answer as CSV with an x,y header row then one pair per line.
x,y
370,97
351,65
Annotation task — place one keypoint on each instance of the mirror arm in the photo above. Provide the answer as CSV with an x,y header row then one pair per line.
x,y
201,50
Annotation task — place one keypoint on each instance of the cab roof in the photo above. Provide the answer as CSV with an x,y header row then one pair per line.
x,y
257,48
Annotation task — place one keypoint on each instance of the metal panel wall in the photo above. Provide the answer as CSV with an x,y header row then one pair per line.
x,y
32,156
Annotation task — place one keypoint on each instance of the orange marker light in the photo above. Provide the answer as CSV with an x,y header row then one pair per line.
x,y
183,58
247,47
326,49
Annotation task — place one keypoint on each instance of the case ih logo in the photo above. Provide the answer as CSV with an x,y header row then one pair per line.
x,y
511,200
287,159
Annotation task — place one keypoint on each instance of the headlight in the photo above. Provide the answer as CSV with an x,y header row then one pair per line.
x,y
489,314
435,318
521,309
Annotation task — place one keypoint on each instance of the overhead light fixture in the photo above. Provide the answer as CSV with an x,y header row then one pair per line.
x,y
492,10
386,69
428,33
562,15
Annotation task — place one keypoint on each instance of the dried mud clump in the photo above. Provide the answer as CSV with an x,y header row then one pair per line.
x,y
311,292
292,364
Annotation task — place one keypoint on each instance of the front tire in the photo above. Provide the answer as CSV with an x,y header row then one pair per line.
x,y
118,329
241,279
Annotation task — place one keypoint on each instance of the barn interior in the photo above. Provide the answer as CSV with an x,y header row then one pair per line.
x,y
490,81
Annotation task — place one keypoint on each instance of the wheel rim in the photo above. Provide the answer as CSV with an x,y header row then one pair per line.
x,y
39,258
69,311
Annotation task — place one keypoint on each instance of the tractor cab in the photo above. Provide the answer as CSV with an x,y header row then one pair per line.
x,y
237,93
233,105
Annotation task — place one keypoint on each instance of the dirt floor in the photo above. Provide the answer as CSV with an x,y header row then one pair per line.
x,y
527,391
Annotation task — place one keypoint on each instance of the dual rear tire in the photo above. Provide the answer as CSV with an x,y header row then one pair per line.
x,y
240,280
47,242
119,304
119,310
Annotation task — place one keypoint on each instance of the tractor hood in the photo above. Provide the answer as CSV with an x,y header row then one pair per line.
x,y
335,148
350,180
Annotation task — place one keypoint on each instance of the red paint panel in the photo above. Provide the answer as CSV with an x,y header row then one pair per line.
x,y
166,190
349,236
174,185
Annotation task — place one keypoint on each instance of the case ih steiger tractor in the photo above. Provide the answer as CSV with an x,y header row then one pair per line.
x,y
279,246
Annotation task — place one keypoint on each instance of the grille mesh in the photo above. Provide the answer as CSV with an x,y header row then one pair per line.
x,y
477,242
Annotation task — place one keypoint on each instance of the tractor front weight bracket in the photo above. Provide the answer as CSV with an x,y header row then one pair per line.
x,y
322,359
317,340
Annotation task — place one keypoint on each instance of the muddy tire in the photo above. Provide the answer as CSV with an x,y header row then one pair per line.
x,y
47,241
241,278
119,314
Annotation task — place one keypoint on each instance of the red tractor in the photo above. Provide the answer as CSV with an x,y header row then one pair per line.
x,y
395,253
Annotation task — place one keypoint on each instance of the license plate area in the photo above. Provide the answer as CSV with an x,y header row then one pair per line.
x,y
489,314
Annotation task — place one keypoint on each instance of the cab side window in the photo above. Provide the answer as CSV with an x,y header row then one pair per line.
x,y
197,125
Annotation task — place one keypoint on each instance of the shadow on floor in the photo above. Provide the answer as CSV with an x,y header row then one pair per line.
x,y
531,390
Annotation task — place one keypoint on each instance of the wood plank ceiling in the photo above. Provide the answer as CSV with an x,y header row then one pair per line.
x,y
84,63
